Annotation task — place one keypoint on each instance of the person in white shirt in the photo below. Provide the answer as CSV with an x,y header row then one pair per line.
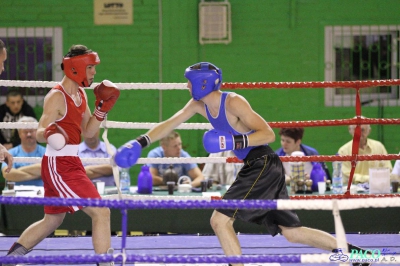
x,y
222,173
395,175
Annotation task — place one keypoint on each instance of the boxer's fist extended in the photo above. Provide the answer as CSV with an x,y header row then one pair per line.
x,y
216,140
128,154
106,94
55,136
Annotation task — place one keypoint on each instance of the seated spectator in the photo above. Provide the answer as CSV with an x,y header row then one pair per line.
x,y
13,109
367,146
291,141
95,148
222,173
25,173
171,146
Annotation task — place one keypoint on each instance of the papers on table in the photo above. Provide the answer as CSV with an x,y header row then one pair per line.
x,y
25,191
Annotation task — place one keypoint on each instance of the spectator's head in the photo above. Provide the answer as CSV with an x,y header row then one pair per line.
x,y
3,55
291,139
27,135
94,141
365,130
172,144
14,101
79,64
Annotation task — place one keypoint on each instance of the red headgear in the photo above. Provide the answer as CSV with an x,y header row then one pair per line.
x,y
75,67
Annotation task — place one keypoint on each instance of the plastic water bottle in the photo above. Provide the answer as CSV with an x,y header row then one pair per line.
x,y
317,175
145,181
337,179
124,181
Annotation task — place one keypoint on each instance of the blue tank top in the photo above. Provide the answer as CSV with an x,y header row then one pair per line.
x,y
221,123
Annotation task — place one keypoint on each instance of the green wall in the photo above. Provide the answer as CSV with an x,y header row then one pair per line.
x,y
272,40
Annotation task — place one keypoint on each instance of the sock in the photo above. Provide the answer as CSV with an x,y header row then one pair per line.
x,y
17,250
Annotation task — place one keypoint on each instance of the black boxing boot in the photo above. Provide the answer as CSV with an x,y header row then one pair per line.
x,y
351,247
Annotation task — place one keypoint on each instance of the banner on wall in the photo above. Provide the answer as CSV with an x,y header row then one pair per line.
x,y
112,12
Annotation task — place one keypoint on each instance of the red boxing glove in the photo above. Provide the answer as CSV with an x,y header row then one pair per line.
x,y
55,136
106,94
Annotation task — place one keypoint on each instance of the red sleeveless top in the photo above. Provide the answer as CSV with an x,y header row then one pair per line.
x,y
71,121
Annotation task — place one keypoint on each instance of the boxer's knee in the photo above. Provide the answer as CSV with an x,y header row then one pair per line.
x,y
95,212
53,220
219,221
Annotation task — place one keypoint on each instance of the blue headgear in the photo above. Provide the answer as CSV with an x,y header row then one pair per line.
x,y
205,78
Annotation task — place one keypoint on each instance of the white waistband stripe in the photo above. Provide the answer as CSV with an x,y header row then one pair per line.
x,y
68,150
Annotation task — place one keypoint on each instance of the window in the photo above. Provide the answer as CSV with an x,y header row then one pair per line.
x,y
362,53
32,54
215,22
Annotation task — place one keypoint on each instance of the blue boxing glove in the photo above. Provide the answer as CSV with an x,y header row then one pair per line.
x,y
216,140
128,154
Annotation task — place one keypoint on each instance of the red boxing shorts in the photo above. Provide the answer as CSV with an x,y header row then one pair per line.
x,y
65,177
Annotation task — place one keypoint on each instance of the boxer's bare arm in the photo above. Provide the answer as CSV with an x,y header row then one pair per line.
x,y
163,128
53,109
248,119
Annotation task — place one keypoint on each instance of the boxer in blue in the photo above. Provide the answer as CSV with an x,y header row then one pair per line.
x,y
239,128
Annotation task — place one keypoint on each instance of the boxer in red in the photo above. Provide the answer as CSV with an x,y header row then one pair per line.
x,y
66,116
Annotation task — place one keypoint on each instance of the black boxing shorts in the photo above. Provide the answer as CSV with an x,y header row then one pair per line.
x,y
262,177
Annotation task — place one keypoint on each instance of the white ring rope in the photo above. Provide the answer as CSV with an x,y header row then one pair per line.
x,y
155,197
135,125
110,124
121,86
343,204
167,160
18,125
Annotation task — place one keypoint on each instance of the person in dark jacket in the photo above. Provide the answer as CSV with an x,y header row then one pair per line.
x,y
12,110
